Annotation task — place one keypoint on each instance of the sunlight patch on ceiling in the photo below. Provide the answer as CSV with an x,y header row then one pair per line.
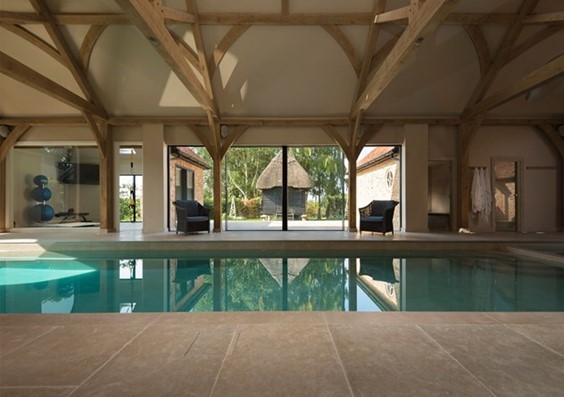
x,y
176,95
227,67
244,90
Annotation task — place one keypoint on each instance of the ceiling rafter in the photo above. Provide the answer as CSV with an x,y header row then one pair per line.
x,y
14,136
397,15
88,44
225,43
175,15
99,134
367,64
172,16
481,46
34,40
149,21
232,136
285,7
502,54
187,51
276,122
65,51
551,18
428,17
533,40
553,136
204,69
24,74
549,71
76,70
346,45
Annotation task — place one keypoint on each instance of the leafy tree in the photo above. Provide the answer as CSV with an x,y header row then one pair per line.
x,y
325,168
244,166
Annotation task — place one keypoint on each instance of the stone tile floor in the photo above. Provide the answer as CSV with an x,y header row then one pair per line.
x,y
283,354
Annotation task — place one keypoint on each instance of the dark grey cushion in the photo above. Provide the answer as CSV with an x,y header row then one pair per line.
x,y
373,219
197,218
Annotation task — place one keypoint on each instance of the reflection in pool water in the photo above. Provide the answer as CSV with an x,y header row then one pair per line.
x,y
430,282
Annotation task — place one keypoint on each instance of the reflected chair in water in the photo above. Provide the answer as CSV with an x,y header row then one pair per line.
x,y
191,269
378,216
189,290
191,216
380,269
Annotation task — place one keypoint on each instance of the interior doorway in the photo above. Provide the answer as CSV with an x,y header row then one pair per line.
x,y
439,195
506,194
130,185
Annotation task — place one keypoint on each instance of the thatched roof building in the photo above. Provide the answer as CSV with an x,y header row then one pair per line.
x,y
271,177
270,182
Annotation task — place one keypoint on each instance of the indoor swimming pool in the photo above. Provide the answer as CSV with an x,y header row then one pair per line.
x,y
243,281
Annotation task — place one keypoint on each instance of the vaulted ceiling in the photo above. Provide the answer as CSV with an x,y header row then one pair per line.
x,y
260,61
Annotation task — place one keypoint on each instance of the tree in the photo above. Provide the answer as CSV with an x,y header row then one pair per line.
x,y
325,168
244,166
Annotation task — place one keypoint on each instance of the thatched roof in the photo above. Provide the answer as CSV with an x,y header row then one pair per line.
x,y
272,175
274,267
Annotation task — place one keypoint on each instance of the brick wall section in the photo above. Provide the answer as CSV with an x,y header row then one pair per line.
x,y
198,184
372,185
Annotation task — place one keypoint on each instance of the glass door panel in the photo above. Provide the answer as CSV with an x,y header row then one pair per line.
x,y
253,188
316,188
506,197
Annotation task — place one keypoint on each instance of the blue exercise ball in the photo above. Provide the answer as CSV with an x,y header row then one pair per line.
x,y
41,194
43,213
40,180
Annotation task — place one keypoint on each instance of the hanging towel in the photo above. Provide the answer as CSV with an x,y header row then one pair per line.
x,y
481,193
475,192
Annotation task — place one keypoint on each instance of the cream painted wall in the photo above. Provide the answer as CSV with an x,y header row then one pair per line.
x,y
414,178
539,165
155,176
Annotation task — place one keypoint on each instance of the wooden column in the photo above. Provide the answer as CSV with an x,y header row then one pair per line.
x,y
217,161
3,192
352,193
107,186
466,132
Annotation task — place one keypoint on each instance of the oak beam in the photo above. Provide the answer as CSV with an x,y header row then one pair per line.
x,y
359,18
150,22
428,17
399,14
107,186
34,40
346,45
481,46
550,18
226,42
502,54
534,79
66,53
20,72
11,140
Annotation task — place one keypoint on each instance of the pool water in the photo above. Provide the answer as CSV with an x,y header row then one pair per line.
x,y
187,283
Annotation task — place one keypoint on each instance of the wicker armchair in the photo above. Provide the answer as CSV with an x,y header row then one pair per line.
x,y
191,217
378,216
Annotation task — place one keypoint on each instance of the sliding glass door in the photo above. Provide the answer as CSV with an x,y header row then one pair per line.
x,y
284,188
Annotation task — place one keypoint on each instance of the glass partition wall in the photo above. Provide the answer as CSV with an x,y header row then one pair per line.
x,y
55,186
284,188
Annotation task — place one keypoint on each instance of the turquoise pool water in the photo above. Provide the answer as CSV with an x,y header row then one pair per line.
x,y
147,282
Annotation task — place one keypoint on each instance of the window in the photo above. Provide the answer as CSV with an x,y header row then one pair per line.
x,y
184,184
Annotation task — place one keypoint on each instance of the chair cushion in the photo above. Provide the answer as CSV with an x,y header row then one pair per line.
x,y
197,218
373,219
